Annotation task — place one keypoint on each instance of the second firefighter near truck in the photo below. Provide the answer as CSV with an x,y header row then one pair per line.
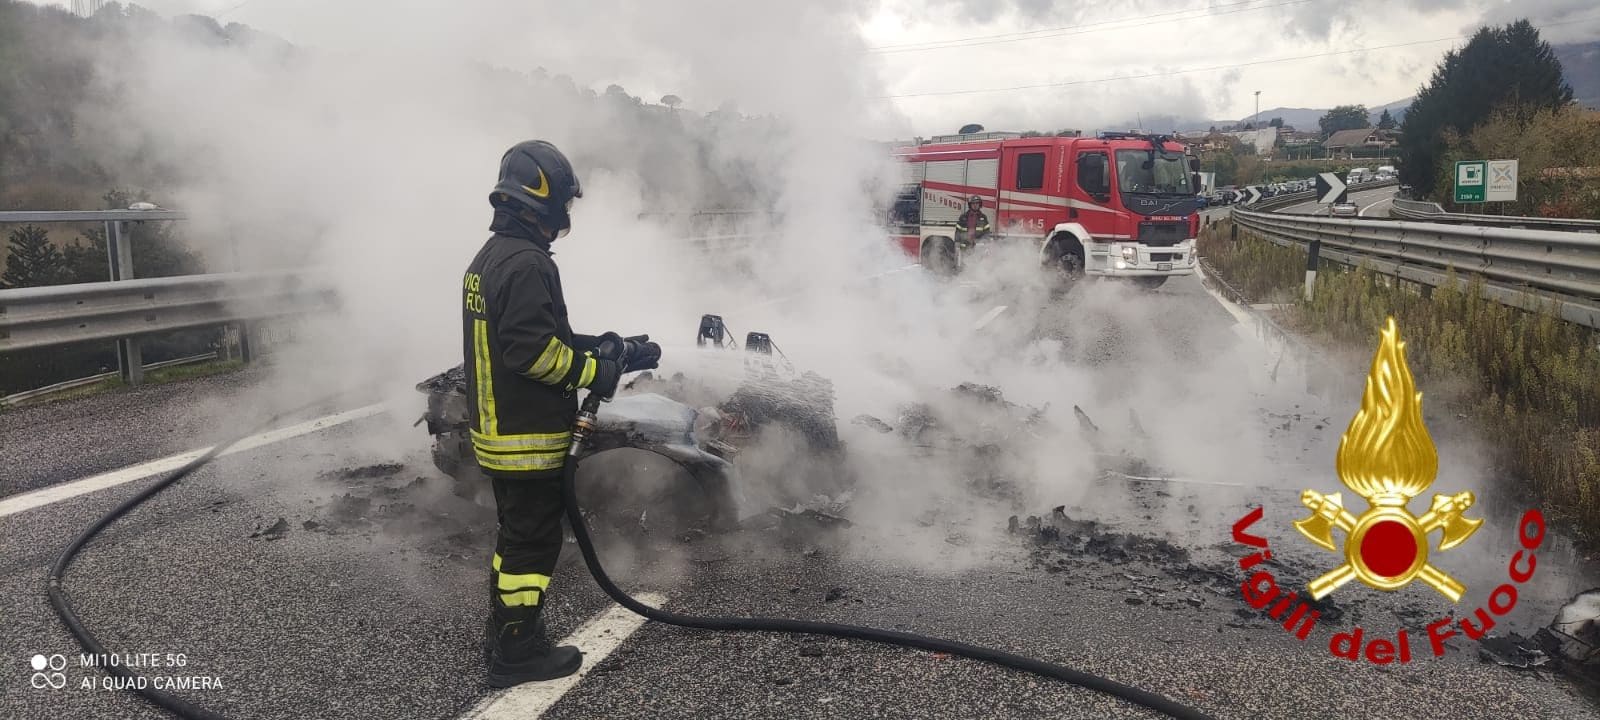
x,y
524,368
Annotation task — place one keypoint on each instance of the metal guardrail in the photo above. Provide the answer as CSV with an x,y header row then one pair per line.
x,y
99,216
1529,269
1433,212
125,308
64,314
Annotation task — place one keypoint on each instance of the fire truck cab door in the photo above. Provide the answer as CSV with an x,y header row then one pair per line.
x,y
1031,201
1092,189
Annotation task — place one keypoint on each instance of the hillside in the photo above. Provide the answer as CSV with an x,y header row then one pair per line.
x,y
59,80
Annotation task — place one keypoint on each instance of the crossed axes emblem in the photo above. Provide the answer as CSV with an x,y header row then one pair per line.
x,y
1387,457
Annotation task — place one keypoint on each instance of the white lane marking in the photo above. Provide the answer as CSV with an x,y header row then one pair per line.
x,y
1364,210
597,638
39,498
989,317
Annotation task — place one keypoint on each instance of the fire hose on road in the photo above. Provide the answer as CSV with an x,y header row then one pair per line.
x,y
585,423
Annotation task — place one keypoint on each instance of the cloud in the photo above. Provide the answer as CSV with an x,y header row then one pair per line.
x,y
1564,21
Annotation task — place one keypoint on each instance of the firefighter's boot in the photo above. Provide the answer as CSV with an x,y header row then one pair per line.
x,y
523,652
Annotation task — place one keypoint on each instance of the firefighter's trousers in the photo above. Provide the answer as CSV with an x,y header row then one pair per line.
x,y
529,511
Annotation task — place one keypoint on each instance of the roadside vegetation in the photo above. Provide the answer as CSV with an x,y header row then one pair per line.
x,y
1525,382
1504,95
158,376
1558,158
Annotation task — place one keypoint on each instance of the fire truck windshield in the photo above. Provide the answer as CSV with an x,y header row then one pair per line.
x,y
1154,173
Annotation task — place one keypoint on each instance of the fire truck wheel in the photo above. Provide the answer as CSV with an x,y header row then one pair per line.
x,y
1070,266
1150,282
939,256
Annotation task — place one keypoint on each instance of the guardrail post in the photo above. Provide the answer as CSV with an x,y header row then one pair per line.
x,y
1233,233
241,328
1311,267
244,342
119,252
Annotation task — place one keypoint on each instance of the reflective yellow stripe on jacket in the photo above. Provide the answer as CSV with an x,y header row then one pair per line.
x,y
522,453
526,452
484,379
553,364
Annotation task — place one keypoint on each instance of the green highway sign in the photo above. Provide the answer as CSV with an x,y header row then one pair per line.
x,y
1470,180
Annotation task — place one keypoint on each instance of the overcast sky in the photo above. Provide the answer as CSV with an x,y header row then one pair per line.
x,y
1197,59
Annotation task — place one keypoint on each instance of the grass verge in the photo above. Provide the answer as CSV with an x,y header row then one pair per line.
x,y
158,376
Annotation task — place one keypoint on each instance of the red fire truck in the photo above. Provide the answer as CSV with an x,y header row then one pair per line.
x,y
1114,205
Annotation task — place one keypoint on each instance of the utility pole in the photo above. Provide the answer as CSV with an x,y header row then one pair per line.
x,y
1257,118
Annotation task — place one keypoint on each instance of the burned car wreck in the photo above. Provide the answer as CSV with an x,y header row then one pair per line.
x,y
658,458
675,454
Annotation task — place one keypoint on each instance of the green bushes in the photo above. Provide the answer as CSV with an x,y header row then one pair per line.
x,y
1263,272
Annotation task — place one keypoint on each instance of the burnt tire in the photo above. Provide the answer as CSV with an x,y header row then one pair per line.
x,y
939,256
638,493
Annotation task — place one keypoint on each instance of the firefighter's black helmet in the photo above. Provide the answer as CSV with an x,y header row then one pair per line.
x,y
974,199
536,177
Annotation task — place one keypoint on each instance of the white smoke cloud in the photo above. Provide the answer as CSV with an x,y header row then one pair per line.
x,y
370,151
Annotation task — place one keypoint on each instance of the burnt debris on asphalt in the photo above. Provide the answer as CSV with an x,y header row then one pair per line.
x,y
1570,643
1150,570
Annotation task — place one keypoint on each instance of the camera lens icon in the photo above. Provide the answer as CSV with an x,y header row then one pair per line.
x,y
54,679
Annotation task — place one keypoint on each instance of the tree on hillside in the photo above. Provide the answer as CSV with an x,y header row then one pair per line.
x,y
33,260
671,101
1343,117
1249,126
86,261
1498,68
1276,122
1386,121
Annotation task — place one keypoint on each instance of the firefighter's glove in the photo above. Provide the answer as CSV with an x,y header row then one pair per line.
x,y
640,354
587,343
606,374
610,346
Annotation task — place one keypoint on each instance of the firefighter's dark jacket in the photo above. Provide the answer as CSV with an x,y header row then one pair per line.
x,y
523,361
980,224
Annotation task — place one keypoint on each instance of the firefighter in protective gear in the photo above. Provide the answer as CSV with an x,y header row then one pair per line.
x,y
524,367
972,224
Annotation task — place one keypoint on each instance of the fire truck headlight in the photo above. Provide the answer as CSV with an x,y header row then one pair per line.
x,y
1122,265
1130,254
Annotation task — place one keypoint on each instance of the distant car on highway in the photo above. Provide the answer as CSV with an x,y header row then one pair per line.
x,y
1343,209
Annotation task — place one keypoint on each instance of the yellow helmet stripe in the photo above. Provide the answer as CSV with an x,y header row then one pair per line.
x,y
543,191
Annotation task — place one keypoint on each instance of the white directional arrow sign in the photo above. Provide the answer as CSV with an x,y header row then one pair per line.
x,y
1251,195
1330,188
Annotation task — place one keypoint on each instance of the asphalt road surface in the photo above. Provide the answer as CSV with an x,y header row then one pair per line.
x,y
1369,203
334,574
